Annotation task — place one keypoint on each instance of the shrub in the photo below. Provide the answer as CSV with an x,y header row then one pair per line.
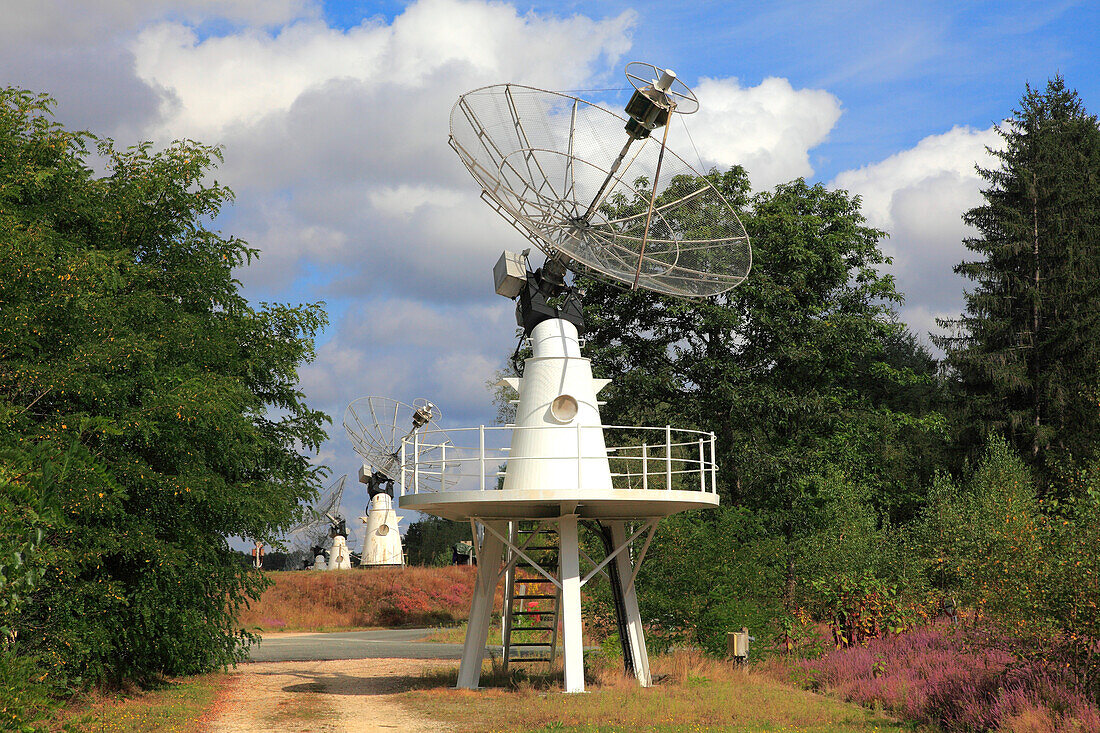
x,y
959,679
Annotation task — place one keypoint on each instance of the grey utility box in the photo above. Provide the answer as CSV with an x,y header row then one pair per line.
x,y
737,644
510,274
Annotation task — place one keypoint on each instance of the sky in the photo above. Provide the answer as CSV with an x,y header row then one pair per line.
x,y
334,120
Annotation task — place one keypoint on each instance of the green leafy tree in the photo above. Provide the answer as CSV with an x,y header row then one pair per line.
x,y
429,541
129,358
1026,351
800,370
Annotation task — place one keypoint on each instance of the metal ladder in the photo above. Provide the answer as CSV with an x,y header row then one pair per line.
x,y
532,603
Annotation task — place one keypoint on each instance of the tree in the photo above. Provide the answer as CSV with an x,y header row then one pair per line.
x,y
803,371
1026,352
429,541
163,404
803,364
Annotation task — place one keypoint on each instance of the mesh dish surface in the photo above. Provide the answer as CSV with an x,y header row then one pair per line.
x,y
541,157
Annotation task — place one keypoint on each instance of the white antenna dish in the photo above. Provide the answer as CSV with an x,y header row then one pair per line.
x,y
324,511
323,522
377,426
645,218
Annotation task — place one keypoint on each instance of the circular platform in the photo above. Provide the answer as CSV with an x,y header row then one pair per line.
x,y
547,503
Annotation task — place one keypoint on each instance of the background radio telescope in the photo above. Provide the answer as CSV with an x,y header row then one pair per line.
x,y
324,512
546,161
324,526
377,425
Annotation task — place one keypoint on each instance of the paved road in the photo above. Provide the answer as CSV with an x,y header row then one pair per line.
x,y
374,644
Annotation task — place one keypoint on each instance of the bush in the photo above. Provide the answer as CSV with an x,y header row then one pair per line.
x,y
958,678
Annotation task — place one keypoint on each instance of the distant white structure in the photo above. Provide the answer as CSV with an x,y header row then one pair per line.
x,y
382,540
339,555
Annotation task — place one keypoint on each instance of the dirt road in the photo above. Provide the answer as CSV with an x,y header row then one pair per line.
x,y
343,696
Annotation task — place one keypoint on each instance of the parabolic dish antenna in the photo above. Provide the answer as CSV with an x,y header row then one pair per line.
x,y
546,162
377,425
323,513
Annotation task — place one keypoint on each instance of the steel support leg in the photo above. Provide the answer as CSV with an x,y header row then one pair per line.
x,y
635,634
572,643
481,609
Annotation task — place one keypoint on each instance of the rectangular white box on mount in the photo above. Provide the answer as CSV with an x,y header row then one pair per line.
x,y
510,274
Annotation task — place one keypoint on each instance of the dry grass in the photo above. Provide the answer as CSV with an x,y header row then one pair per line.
x,y
179,706
694,693
362,598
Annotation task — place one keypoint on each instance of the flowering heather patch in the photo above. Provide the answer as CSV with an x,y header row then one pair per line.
x,y
410,596
958,680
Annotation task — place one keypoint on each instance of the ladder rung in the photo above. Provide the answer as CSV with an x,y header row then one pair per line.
x,y
514,629
529,596
532,580
528,643
530,659
547,612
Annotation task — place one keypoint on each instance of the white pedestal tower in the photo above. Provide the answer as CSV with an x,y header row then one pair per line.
x,y
542,161
382,543
557,474
339,557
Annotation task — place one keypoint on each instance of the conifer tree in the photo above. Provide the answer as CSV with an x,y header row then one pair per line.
x,y
1026,351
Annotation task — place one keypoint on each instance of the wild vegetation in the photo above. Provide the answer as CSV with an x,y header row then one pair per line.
x,y
869,489
380,597
695,693
147,413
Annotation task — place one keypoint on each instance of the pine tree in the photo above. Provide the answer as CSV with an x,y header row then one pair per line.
x,y
1026,351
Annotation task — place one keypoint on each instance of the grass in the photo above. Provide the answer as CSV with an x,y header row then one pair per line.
x,y
457,634
694,693
178,706
339,600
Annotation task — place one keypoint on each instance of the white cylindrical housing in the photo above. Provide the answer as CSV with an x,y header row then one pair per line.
x,y
382,543
558,439
667,77
339,557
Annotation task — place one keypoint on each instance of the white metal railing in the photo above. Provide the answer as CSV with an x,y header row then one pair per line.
x,y
648,458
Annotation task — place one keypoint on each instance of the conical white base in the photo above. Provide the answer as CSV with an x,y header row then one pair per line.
x,y
558,440
339,557
382,543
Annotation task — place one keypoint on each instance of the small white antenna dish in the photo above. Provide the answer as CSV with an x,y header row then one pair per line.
x,y
378,425
645,218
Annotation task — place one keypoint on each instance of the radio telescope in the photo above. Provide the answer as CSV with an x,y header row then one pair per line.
x,y
545,162
635,213
384,433
324,522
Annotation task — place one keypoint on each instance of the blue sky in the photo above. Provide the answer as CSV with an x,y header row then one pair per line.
x,y
334,120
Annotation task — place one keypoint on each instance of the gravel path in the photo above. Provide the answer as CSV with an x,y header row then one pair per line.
x,y
342,696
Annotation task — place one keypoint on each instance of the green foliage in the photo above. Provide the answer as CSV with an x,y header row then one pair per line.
x,y
986,543
147,411
801,367
429,541
1026,353
826,412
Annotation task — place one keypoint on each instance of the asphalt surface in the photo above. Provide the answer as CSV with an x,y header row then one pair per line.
x,y
374,644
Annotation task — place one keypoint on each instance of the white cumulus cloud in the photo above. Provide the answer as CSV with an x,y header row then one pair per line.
x,y
919,196
769,129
